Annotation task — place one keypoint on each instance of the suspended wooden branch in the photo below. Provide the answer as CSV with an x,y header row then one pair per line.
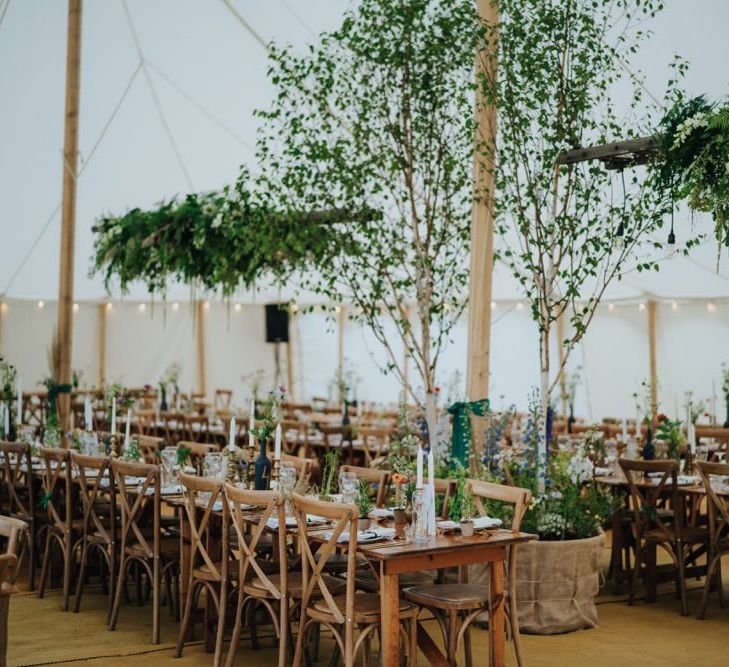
x,y
618,154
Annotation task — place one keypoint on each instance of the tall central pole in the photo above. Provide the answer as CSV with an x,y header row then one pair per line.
x,y
482,215
68,210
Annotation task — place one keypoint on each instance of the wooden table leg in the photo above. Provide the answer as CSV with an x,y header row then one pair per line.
x,y
616,552
497,616
390,613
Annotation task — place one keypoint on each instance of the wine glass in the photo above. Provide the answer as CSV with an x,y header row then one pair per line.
x,y
287,482
348,486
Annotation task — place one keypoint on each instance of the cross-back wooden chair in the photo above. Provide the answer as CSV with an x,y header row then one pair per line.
x,y
652,528
197,453
261,582
8,573
98,502
320,605
222,399
18,496
156,554
171,426
379,480
718,511
16,534
295,435
208,571
195,427
57,497
457,605
375,441
150,446
146,421
337,437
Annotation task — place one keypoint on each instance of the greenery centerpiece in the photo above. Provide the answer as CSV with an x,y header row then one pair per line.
x,y
364,504
694,165
671,433
8,384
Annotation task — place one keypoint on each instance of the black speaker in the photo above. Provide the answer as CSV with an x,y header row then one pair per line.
x,y
277,323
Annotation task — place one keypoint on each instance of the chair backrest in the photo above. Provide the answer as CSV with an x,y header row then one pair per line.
x,y
150,446
512,495
314,560
295,434
16,474
645,498
133,498
718,506
201,496
222,399
336,435
197,452
375,440
446,488
271,505
57,476
146,418
303,466
379,479
93,474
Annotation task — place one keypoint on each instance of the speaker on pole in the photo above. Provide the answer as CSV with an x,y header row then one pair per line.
x,y
277,323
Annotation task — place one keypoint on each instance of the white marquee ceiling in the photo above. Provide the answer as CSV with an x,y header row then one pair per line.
x,y
209,73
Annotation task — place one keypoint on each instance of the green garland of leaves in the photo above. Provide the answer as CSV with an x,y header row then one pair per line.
x,y
219,240
694,141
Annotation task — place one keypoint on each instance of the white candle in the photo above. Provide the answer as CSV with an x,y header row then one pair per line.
x,y
625,430
692,438
431,468
277,443
87,413
419,469
113,415
231,434
19,390
126,429
637,425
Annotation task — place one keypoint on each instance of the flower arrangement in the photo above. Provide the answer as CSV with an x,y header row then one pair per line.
x,y
461,507
329,474
125,398
268,414
255,380
132,452
494,438
572,505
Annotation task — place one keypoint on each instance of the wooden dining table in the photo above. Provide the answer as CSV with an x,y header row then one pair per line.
x,y
441,551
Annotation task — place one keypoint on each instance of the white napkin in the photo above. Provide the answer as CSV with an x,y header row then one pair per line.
x,y
687,480
479,523
311,520
365,535
599,471
382,513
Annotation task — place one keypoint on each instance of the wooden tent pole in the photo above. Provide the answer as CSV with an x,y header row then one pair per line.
x,y
103,309
482,224
652,356
68,208
200,339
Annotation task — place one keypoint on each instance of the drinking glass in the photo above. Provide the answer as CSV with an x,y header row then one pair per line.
x,y
26,435
213,465
89,443
287,482
348,486
169,463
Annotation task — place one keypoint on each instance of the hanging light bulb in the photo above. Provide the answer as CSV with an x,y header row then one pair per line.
x,y
671,243
619,238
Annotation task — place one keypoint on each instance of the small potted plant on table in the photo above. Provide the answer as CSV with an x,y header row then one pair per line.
x,y
462,507
364,505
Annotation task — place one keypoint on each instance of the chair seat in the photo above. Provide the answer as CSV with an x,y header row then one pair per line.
x,y
367,581
294,584
269,567
688,533
366,608
169,548
449,596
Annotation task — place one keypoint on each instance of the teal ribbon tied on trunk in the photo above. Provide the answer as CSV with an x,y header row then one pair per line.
x,y
53,391
461,440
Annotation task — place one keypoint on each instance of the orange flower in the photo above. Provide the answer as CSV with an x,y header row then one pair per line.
x,y
399,478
